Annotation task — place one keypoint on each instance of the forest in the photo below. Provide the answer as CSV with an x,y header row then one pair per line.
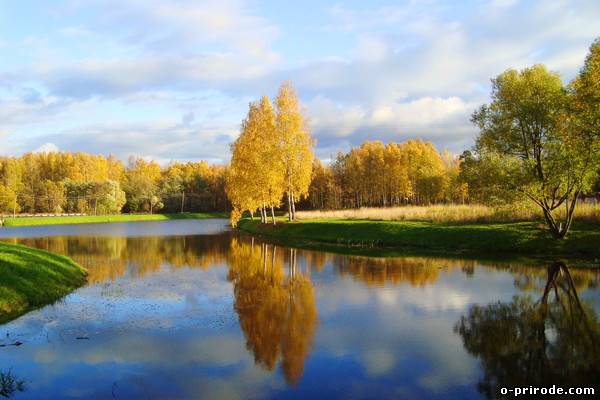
x,y
63,182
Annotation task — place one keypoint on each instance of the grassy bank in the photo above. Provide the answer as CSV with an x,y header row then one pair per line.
x,y
31,278
86,219
389,238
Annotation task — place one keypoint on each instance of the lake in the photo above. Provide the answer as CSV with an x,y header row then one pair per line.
x,y
189,309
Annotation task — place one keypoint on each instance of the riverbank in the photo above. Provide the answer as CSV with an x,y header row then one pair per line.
x,y
31,278
88,219
393,238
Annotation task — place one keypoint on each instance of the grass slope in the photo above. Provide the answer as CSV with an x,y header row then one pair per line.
x,y
86,219
31,278
394,237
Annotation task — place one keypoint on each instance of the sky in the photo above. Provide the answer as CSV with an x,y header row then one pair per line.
x,y
171,80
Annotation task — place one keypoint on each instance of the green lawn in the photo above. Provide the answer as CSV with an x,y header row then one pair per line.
x,y
395,237
85,219
31,278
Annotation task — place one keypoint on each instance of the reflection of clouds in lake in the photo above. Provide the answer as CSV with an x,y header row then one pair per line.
x,y
216,351
379,361
170,361
412,323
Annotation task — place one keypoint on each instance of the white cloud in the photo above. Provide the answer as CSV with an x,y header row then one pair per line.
x,y
47,148
371,49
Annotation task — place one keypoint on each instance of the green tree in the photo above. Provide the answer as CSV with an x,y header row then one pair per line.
x,y
546,155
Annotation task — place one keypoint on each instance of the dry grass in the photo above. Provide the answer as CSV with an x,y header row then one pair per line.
x,y
451,213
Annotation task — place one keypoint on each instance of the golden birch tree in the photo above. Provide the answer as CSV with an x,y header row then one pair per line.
x,y
295,146
255,179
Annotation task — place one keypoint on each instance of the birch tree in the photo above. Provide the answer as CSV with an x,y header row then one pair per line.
x,y
255,180
295,146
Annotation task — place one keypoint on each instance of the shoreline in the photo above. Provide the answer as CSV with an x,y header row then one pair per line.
x,y
32,278
91,219
523,240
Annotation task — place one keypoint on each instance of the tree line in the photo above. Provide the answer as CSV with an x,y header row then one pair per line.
x,y
379,175
63,182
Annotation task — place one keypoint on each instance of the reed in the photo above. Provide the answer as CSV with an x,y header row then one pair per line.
x,y
519,212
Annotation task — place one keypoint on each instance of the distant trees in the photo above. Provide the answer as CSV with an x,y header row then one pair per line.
x,y
543,137
193,186
272,156
141,186
62,182
375,174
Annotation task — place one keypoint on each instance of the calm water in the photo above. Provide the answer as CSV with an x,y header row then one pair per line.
x,y
188,309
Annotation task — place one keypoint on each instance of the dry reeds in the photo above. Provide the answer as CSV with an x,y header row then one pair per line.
x,y
452,213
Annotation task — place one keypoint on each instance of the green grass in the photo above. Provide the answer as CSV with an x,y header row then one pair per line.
x,y
389,238
31,278
86,219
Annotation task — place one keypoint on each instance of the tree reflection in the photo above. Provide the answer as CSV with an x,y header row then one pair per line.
x,y
277,311
108,258
551,341
415,271
9,384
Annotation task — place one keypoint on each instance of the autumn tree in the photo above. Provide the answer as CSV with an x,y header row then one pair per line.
x,y
374,174
256,174
397,180
295,146
455,190
10,185
321,186
141,185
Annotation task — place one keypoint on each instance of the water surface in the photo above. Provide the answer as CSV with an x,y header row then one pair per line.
x,y
188,309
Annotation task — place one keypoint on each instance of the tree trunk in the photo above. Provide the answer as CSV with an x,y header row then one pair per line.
x,y
289,204
560,229
551,222
273,215
570,210
293,207
182,200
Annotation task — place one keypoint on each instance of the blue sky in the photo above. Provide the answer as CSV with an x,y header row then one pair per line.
x,y
171,80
